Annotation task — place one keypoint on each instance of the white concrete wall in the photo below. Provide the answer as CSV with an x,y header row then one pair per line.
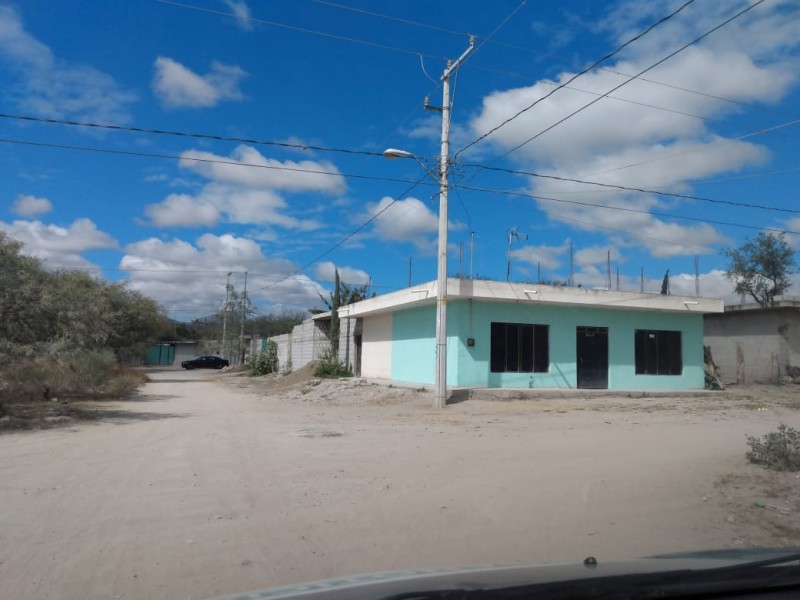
x,y
185,352
376,357
284,343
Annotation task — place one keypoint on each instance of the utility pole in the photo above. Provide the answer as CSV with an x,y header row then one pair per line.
x,y
696,275
241,329
440,376
225,313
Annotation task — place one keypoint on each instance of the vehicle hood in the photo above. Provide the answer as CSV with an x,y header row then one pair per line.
x,y
388,584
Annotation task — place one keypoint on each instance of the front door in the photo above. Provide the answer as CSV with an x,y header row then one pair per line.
x,y
592,357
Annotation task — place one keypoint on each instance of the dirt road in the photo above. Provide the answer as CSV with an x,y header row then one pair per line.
x,y
199,488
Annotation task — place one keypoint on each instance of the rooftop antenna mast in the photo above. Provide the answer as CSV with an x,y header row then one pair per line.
x,y
571,280
513,234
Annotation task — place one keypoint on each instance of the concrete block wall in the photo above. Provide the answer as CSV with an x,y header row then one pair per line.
x,y
308,339
754,346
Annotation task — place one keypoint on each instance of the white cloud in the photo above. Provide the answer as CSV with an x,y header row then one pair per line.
x,y
31,206
189,278
242,13
595,255
271,173
793,239
628,144
407,220
326,271
235,204
182,210
548,257
240,193
59,247
54,88
178,86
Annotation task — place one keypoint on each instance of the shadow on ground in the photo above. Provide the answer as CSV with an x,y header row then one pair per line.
x,y
34,416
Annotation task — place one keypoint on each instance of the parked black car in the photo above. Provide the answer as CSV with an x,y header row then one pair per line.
x,y
205,362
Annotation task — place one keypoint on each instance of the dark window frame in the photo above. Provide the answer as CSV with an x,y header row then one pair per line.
x,y
519,348
658,352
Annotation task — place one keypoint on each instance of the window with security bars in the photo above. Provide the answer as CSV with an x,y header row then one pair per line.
x,y
520,348
658,352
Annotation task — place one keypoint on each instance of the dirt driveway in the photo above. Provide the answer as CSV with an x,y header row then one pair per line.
x,y
208,485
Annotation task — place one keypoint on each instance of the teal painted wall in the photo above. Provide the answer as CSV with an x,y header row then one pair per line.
x,y
414,346
414,350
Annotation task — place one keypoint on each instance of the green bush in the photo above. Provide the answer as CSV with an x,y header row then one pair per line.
x,y
777,450
330,367
266,362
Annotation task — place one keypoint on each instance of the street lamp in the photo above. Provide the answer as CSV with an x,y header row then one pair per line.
x,y
440,375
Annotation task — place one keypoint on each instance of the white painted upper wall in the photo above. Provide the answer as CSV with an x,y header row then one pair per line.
x,y
377,336
501,291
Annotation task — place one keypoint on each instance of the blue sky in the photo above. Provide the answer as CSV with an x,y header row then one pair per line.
x,y
316,80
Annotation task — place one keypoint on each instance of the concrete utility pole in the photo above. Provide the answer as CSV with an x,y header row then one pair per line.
x,y
440,377
440,374
241,329
225,313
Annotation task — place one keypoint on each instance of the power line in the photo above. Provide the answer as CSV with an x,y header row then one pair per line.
x,y
325,34
203,160
633,189
501,25
574,77
195,135
527,50
651,67
620,208
347,237
674,154
483,39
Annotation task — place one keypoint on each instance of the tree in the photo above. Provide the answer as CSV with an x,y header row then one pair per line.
x,y
342,295
665,284
761,267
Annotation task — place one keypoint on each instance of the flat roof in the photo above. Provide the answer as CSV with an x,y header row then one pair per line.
x,y
529,293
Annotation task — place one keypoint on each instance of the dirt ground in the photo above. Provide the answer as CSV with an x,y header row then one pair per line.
x,y
209,484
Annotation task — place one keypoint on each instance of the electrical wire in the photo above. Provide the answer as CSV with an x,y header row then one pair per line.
x,y
502,24
432,27
395,180
674,154
325,34
574,77
204,160
633,189
347,237
621,208
651,67
521,49
185,134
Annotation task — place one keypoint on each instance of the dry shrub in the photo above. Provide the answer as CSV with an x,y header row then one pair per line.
x,y
92,374
777,450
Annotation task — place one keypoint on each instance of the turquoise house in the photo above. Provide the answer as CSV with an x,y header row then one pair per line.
x,y
509,335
